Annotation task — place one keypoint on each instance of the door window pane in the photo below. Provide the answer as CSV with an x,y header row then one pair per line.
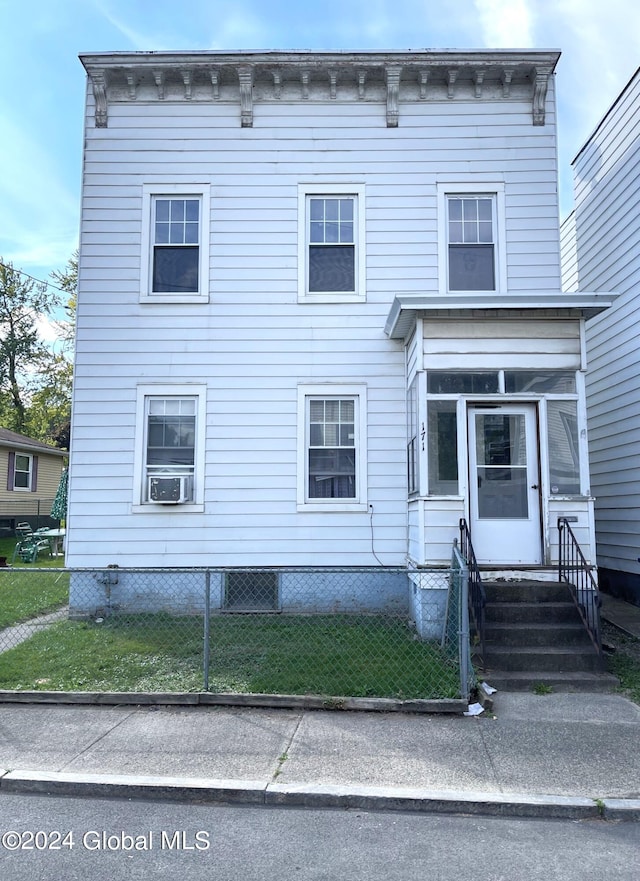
x,y
501,459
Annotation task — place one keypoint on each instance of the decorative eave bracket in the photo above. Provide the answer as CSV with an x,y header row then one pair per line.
x,y
99,86
393,92
540,87
245,76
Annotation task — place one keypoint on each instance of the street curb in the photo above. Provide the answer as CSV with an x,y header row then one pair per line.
x,y
209,699
317,796
621,809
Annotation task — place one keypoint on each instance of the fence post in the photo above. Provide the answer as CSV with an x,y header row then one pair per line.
x,y
463,639
207,615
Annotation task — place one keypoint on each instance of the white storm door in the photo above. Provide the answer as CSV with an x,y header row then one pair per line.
x,y
504,497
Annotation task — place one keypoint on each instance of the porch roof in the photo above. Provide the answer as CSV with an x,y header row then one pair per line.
x,y
407,308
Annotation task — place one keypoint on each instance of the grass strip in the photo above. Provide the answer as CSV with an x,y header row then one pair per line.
x,y
325,655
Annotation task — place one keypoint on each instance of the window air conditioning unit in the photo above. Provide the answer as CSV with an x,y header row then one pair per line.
x,y
170,489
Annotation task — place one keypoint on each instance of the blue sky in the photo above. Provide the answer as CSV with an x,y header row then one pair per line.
x,y
43,85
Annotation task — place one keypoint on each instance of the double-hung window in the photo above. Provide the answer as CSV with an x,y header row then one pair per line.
x,y
332,456
170,463
472,252
22,472
331,243
471,243
175,237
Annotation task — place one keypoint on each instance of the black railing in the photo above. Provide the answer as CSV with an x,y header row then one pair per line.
x,y
477,595
577,573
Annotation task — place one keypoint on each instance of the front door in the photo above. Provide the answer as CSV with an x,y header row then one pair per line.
x,y
504,498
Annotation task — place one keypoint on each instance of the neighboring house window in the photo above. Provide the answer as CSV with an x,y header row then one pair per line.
x,y
22,472
331,243
175,252
332,457
170,470
472,239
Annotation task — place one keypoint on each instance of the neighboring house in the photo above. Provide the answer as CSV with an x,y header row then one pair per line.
x,y
320,317
31,473
601,251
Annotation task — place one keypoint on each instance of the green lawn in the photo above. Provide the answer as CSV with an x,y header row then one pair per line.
x,y
325,655
26,593
7,546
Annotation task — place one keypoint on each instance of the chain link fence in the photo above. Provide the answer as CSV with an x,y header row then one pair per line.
x,y
331,632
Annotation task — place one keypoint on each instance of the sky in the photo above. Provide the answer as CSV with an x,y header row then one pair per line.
x,y
42,83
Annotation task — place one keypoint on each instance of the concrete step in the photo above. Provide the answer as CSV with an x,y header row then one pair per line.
x,y
579,682
526,592
534,613
574,659
560,635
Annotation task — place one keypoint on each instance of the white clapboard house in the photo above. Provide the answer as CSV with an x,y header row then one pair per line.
x,y
320,315
601,252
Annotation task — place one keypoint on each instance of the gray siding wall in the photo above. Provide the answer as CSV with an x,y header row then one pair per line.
x,y
607,173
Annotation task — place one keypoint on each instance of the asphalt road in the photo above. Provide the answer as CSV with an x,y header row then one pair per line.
x,y
106,840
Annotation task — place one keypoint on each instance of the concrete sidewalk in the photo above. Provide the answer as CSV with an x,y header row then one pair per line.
x,y
556,755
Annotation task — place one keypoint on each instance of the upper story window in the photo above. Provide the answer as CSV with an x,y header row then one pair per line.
x,y
472,252
176,246
471,243
175,239
331,243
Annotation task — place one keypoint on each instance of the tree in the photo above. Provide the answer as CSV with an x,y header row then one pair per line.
x,y
67,280
23,354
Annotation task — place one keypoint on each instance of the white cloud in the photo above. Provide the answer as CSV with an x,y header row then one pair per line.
x,y
505,24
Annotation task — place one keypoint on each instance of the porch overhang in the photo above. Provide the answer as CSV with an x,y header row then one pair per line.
x,y
407,308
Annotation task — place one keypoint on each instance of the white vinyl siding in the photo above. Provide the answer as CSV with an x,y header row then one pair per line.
x,y
250,341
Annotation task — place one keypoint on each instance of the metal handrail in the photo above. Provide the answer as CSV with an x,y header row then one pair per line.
x,y
477,594
574,570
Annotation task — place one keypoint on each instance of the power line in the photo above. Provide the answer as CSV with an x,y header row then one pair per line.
x,y
33,278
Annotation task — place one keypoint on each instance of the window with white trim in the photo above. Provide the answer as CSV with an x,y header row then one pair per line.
x,y
170,460
332,454
175,238
331,243
22,472
472,247
471,243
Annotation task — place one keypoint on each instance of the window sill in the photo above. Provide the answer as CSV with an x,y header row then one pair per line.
x,y
175,298
151,508
331,298
332,507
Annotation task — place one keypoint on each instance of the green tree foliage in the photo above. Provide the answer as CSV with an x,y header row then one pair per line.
x,y
35,379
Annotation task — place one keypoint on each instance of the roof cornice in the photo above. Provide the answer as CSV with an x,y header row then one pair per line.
x,y
247,78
